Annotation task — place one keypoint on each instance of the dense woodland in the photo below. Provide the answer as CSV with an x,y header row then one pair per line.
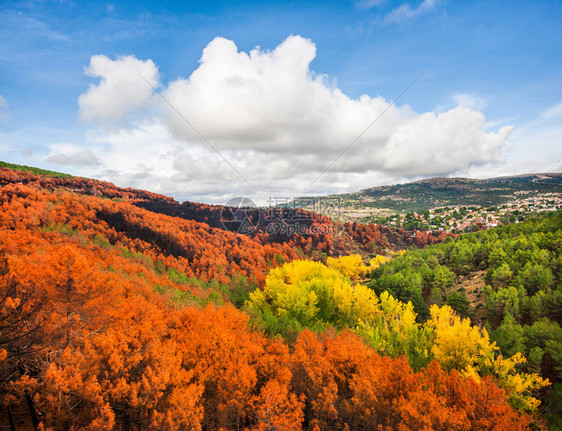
x,y
319,237
519,300
118,311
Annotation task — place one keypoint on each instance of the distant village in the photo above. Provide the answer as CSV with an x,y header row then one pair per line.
x,y
454,219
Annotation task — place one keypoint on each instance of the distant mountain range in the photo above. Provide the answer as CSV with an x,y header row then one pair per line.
x,y
438,192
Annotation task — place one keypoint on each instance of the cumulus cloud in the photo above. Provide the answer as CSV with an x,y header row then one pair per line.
x,y
121,89
81,158
278,122
470,100
270,102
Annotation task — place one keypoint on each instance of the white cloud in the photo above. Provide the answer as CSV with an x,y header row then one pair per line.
x,y
527,165
466,100
470,100
552,112
405,12
279,123
121,90
81,158
269,102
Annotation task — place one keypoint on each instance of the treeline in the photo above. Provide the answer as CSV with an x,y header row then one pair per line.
x,y
520,298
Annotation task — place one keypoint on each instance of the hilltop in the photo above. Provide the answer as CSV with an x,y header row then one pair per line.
x,y
438,192
376,202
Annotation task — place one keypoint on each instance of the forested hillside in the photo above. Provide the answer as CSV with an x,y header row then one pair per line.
x,y
508,279
317,236
114,316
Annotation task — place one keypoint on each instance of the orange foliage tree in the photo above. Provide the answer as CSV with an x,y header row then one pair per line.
x,y
348,386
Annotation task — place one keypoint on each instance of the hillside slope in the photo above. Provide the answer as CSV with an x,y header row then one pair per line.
x,y
438,192
507,279
313,234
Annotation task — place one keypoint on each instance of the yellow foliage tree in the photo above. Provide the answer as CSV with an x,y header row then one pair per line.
x,y
519,386
458,345
394,331
309,294
304,293
351,266
377,261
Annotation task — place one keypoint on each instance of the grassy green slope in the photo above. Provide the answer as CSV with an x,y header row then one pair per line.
x,y
37,171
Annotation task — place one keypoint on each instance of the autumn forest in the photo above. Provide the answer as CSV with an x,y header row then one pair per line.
x,y
123,309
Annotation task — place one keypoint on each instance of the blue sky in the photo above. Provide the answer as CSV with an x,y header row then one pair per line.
x,y
489,101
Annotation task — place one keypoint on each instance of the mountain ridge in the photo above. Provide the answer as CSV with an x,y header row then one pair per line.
x,y
435,192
